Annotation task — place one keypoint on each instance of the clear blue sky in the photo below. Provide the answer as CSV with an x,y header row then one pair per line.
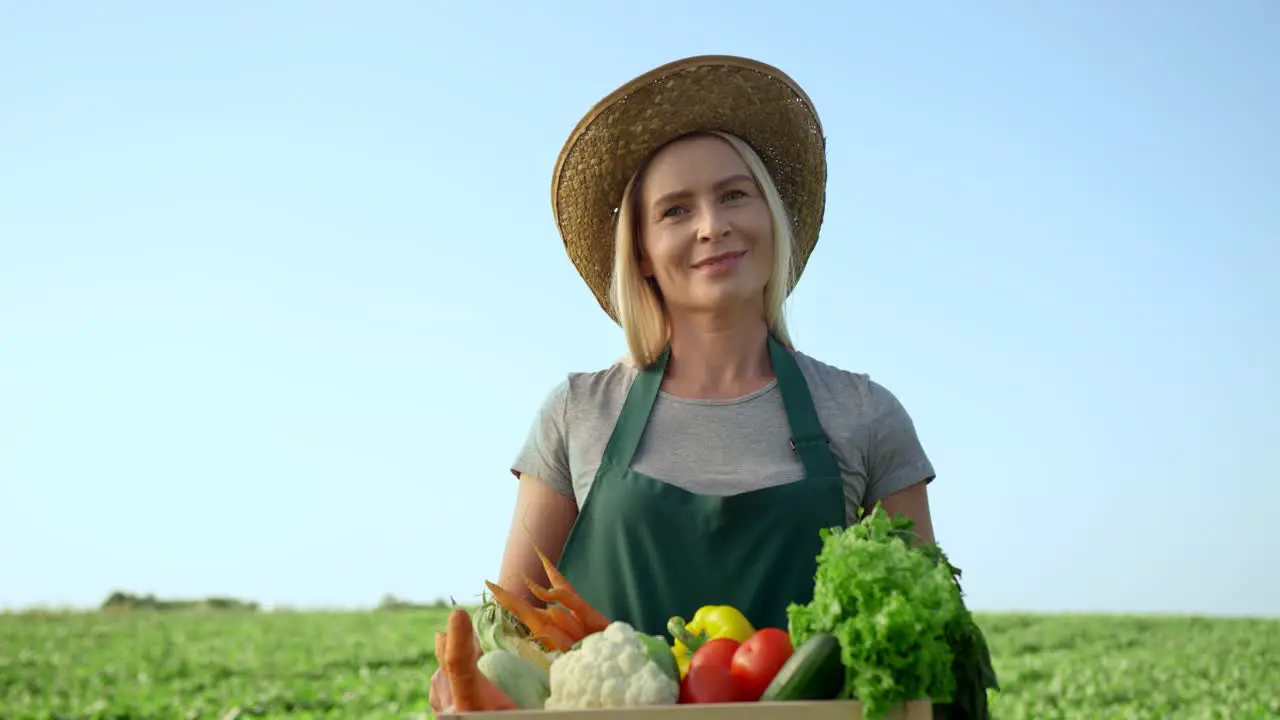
x,y
280,290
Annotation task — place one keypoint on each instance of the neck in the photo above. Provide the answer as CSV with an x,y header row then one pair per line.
x,y
716,358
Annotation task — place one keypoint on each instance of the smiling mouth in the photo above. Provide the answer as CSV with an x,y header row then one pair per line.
x,y
719,259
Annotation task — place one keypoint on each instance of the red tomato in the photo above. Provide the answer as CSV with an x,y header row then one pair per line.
x,y
758,659
717,651
710,678
710,683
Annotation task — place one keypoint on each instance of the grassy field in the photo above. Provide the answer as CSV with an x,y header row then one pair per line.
x,y
377,664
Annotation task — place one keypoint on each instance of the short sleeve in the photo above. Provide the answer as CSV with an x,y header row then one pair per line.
x,y
895,457
545,454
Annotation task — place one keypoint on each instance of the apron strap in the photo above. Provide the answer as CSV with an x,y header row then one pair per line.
x,y
808,440
635,414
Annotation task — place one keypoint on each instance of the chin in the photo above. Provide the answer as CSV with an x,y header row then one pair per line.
x,y
728,300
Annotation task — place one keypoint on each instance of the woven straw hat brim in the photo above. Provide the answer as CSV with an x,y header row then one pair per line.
x,y
755,101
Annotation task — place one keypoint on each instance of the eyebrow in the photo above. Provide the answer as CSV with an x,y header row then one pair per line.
x,y
676,194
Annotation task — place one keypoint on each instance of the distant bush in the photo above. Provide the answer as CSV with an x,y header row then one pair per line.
x,y
128,602
121,601
391,602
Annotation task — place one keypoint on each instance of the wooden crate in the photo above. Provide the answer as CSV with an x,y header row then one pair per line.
x,y
819,710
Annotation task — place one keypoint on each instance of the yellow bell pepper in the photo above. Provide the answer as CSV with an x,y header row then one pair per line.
x,y
709,623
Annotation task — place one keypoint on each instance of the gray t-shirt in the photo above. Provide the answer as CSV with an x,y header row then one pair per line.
x,y
723,447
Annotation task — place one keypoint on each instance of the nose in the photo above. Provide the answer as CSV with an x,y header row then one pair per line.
x,y
715,223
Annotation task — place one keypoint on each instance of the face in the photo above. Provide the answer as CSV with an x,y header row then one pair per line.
x,y
705,229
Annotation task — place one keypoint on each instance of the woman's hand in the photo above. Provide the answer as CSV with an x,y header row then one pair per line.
x,y
441,698
458,685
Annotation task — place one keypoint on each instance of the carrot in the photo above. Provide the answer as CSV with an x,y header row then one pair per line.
x,y
562,592
537,590
556,613
540,626
566,621
524,611
553,573
471,690
592,620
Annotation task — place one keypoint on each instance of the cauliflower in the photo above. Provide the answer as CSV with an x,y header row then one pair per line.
x,y
609,669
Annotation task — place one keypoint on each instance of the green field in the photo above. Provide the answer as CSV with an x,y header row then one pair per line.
x,y
225,665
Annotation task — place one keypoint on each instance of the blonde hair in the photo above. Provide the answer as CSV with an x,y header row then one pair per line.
x,y
636,300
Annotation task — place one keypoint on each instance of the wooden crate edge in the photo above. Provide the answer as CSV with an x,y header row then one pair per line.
x,y
792,710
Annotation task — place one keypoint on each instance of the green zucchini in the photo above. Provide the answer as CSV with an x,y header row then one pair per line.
x,y
813,672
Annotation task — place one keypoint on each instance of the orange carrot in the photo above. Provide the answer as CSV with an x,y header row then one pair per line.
x,y
524,611
540,626
442,646
441,695
442,639
553,573
538,591
556,613
471,690
566,621
562,592
592,620
553,638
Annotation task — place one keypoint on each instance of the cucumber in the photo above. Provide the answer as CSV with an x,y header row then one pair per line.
x,y
813,672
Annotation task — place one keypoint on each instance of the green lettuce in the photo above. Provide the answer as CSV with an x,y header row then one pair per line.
x,y
891,607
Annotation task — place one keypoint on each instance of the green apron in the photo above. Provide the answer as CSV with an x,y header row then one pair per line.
x,y
643,550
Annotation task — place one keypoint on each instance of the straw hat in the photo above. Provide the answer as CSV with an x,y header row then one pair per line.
x,y
750,99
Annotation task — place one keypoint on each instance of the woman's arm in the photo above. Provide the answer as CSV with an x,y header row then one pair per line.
x,y
542,516
899,470
545,505
913,502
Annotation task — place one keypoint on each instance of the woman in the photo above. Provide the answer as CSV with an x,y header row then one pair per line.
x,y
699,470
